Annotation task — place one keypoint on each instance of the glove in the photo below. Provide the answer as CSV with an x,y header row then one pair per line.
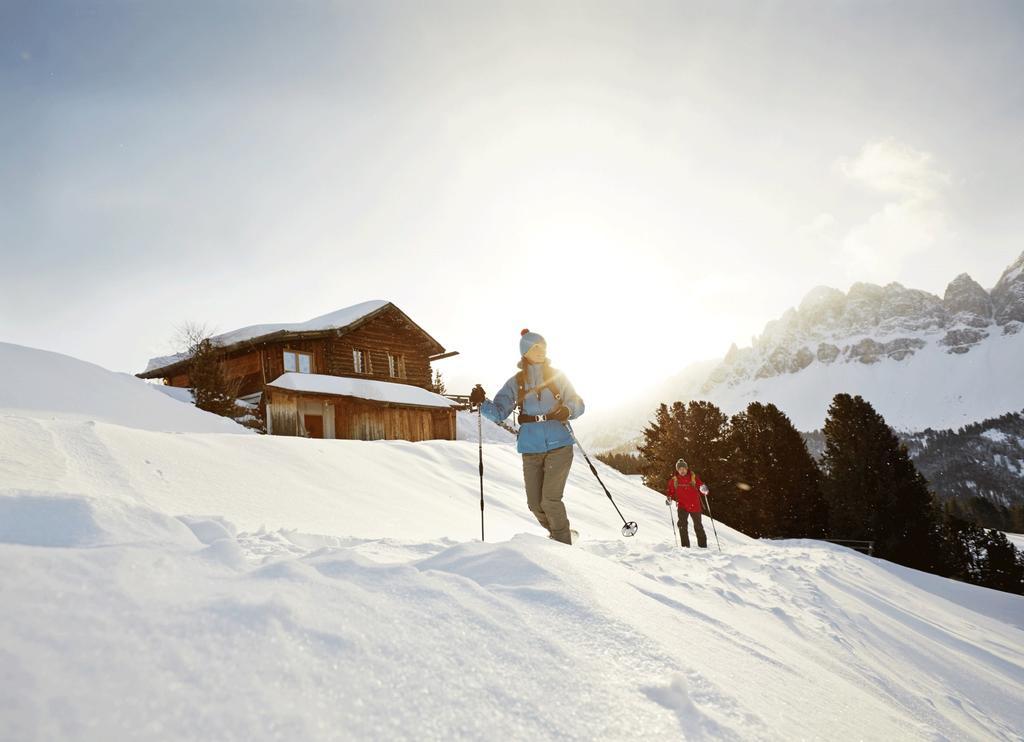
x,y
477,396
561,414
704,489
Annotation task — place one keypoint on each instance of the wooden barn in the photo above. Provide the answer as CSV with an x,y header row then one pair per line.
x,y
360,373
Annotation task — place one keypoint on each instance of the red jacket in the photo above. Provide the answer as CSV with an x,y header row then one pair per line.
x,y
685,491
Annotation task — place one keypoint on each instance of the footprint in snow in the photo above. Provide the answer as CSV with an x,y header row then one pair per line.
x,y
695,723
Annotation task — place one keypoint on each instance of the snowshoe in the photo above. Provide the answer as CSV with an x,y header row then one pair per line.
x,y
574,535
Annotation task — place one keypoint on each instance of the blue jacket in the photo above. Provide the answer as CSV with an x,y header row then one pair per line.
x,y
539,437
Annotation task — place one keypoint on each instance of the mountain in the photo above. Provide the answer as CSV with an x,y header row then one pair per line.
x,y
985,459
922,360
196,585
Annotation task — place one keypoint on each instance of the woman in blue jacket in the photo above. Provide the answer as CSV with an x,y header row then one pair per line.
x,y
546,401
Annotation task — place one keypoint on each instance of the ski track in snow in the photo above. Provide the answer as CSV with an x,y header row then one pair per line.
x,y
164,586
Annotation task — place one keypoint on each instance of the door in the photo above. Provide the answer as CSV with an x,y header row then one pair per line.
x,y
314,425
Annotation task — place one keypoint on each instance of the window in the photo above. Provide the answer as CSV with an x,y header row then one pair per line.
x,y
299,362
396,366
361,361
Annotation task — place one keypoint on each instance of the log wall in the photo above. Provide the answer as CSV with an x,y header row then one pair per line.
x,y
386,333
366,421
355,419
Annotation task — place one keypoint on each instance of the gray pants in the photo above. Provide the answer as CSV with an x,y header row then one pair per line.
x,y
545,475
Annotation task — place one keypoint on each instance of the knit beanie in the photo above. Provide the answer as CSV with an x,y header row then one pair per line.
x,y
528,340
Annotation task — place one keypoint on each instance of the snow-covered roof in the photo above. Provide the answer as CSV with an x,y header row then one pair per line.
x,y
378,391
332,321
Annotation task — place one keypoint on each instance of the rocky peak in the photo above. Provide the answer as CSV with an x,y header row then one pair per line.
x,y
967,302
822,307
863,303
1008,297
872,323
909,309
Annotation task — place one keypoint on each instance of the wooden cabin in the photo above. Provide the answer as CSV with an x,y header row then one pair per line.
x,y
361,373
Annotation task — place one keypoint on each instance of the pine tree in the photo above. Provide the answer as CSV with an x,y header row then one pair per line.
x,y
873,490
623,462
210,387
958,544
657,452
777,492
696,432
1000,566
438,384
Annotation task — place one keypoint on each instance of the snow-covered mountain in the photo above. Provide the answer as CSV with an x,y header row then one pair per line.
x,y
197,585
922,360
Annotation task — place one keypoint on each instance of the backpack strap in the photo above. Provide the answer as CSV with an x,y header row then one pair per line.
x,y
551,379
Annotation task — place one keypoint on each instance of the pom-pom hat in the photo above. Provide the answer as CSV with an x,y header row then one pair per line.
x,y
528,340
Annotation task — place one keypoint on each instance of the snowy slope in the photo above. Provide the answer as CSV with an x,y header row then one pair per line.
x,y
208,586
931,389
45,384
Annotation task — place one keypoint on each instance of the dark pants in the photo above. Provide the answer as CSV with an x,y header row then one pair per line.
x,y
684,534
545,475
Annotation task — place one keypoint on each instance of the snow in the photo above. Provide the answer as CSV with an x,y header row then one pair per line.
x,y
334,320
996,436
378,391
181,394
932,388
200,585
468,428
45,384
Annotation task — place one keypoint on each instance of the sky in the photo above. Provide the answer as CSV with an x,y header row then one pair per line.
x,y
642,183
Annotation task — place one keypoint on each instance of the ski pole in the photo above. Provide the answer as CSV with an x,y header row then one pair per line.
x,y
708,503
672,523
629,528
480,438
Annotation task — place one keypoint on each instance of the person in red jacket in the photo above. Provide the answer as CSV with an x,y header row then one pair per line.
x,y
686,488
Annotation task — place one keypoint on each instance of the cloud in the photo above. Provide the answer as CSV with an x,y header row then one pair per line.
x,y
893,168
909,222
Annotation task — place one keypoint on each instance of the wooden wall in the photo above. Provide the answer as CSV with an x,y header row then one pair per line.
x,y
366,421
273,355
355,419
383,334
